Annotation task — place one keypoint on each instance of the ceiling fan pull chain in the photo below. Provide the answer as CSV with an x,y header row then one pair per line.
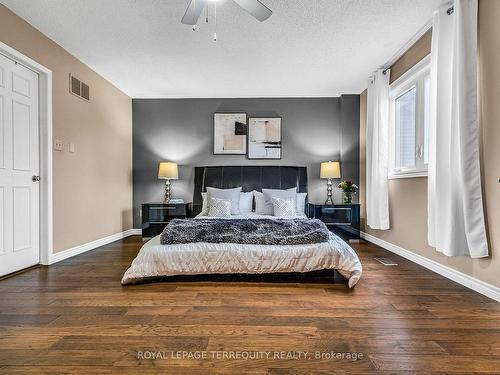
x,y
215,21
206,14
194,6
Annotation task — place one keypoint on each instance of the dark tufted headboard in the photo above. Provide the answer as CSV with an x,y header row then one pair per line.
x,y
248,177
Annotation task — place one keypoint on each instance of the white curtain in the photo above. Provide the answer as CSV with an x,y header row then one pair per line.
x,y
455,212
377,151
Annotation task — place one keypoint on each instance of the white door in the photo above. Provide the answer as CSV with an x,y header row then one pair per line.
x,y
19,190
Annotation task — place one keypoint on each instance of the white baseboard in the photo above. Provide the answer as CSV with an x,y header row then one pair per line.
x,y
470,282
65,254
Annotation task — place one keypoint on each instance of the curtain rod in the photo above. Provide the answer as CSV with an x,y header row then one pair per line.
x,y
449,11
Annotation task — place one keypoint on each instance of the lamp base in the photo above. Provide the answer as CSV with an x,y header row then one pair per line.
x,y
167,192
329,199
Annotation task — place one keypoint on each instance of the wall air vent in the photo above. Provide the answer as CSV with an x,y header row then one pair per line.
x,y
85,91
385,261
78,88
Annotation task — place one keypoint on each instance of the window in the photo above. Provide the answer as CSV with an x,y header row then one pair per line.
x,y
405,129
409,122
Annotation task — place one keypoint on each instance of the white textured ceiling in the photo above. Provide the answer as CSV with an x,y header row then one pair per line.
x,y
308,48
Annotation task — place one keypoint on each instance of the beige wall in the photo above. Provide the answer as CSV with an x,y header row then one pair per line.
x,y
414,54
92,187
408,197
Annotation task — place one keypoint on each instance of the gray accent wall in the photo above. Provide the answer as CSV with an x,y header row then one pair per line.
x,y
180,130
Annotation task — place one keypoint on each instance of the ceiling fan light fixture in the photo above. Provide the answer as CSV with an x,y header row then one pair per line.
x,y
196,7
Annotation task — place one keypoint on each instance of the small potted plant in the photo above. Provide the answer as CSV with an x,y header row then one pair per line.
x,y
348,188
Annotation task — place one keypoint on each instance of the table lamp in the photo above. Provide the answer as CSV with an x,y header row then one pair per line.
x,y
167,171
329,170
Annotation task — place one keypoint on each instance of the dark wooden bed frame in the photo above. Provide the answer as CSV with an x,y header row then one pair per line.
x,y
248,177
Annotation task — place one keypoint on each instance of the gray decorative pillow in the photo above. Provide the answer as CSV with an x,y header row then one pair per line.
x,y
268,194
284,208
219,208
232,195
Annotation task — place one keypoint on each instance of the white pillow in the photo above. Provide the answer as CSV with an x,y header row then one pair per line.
x,y
284,208
219,208
268,194
204,204
246,201
260,206
301,203
232,195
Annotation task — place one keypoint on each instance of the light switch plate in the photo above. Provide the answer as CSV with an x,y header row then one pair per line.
x,y
72,147
58,145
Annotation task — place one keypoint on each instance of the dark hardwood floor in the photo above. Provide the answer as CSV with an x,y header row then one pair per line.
x,y
75,317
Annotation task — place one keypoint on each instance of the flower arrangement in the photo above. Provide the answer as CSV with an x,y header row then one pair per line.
x,y
348,188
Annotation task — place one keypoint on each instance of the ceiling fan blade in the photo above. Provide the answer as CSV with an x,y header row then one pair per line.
x,y
255,8
193,12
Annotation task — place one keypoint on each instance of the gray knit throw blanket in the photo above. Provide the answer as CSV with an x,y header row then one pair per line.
x,y
245,231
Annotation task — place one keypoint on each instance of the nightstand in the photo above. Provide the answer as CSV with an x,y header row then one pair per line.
x,y
156,216
341,219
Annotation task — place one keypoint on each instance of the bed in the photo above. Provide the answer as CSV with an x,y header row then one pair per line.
x,y
158,261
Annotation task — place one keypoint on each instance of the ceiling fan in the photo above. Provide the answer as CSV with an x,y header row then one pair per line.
x,y
195,8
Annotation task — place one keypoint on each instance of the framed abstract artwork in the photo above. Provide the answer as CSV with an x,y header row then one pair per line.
x,y
264,138
230,134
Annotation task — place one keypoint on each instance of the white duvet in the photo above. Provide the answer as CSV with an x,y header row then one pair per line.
x,y
155,259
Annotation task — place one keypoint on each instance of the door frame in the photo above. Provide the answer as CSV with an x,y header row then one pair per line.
x,y
45,140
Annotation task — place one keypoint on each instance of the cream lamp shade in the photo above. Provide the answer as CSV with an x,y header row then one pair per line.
x,y
330,169
168,171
